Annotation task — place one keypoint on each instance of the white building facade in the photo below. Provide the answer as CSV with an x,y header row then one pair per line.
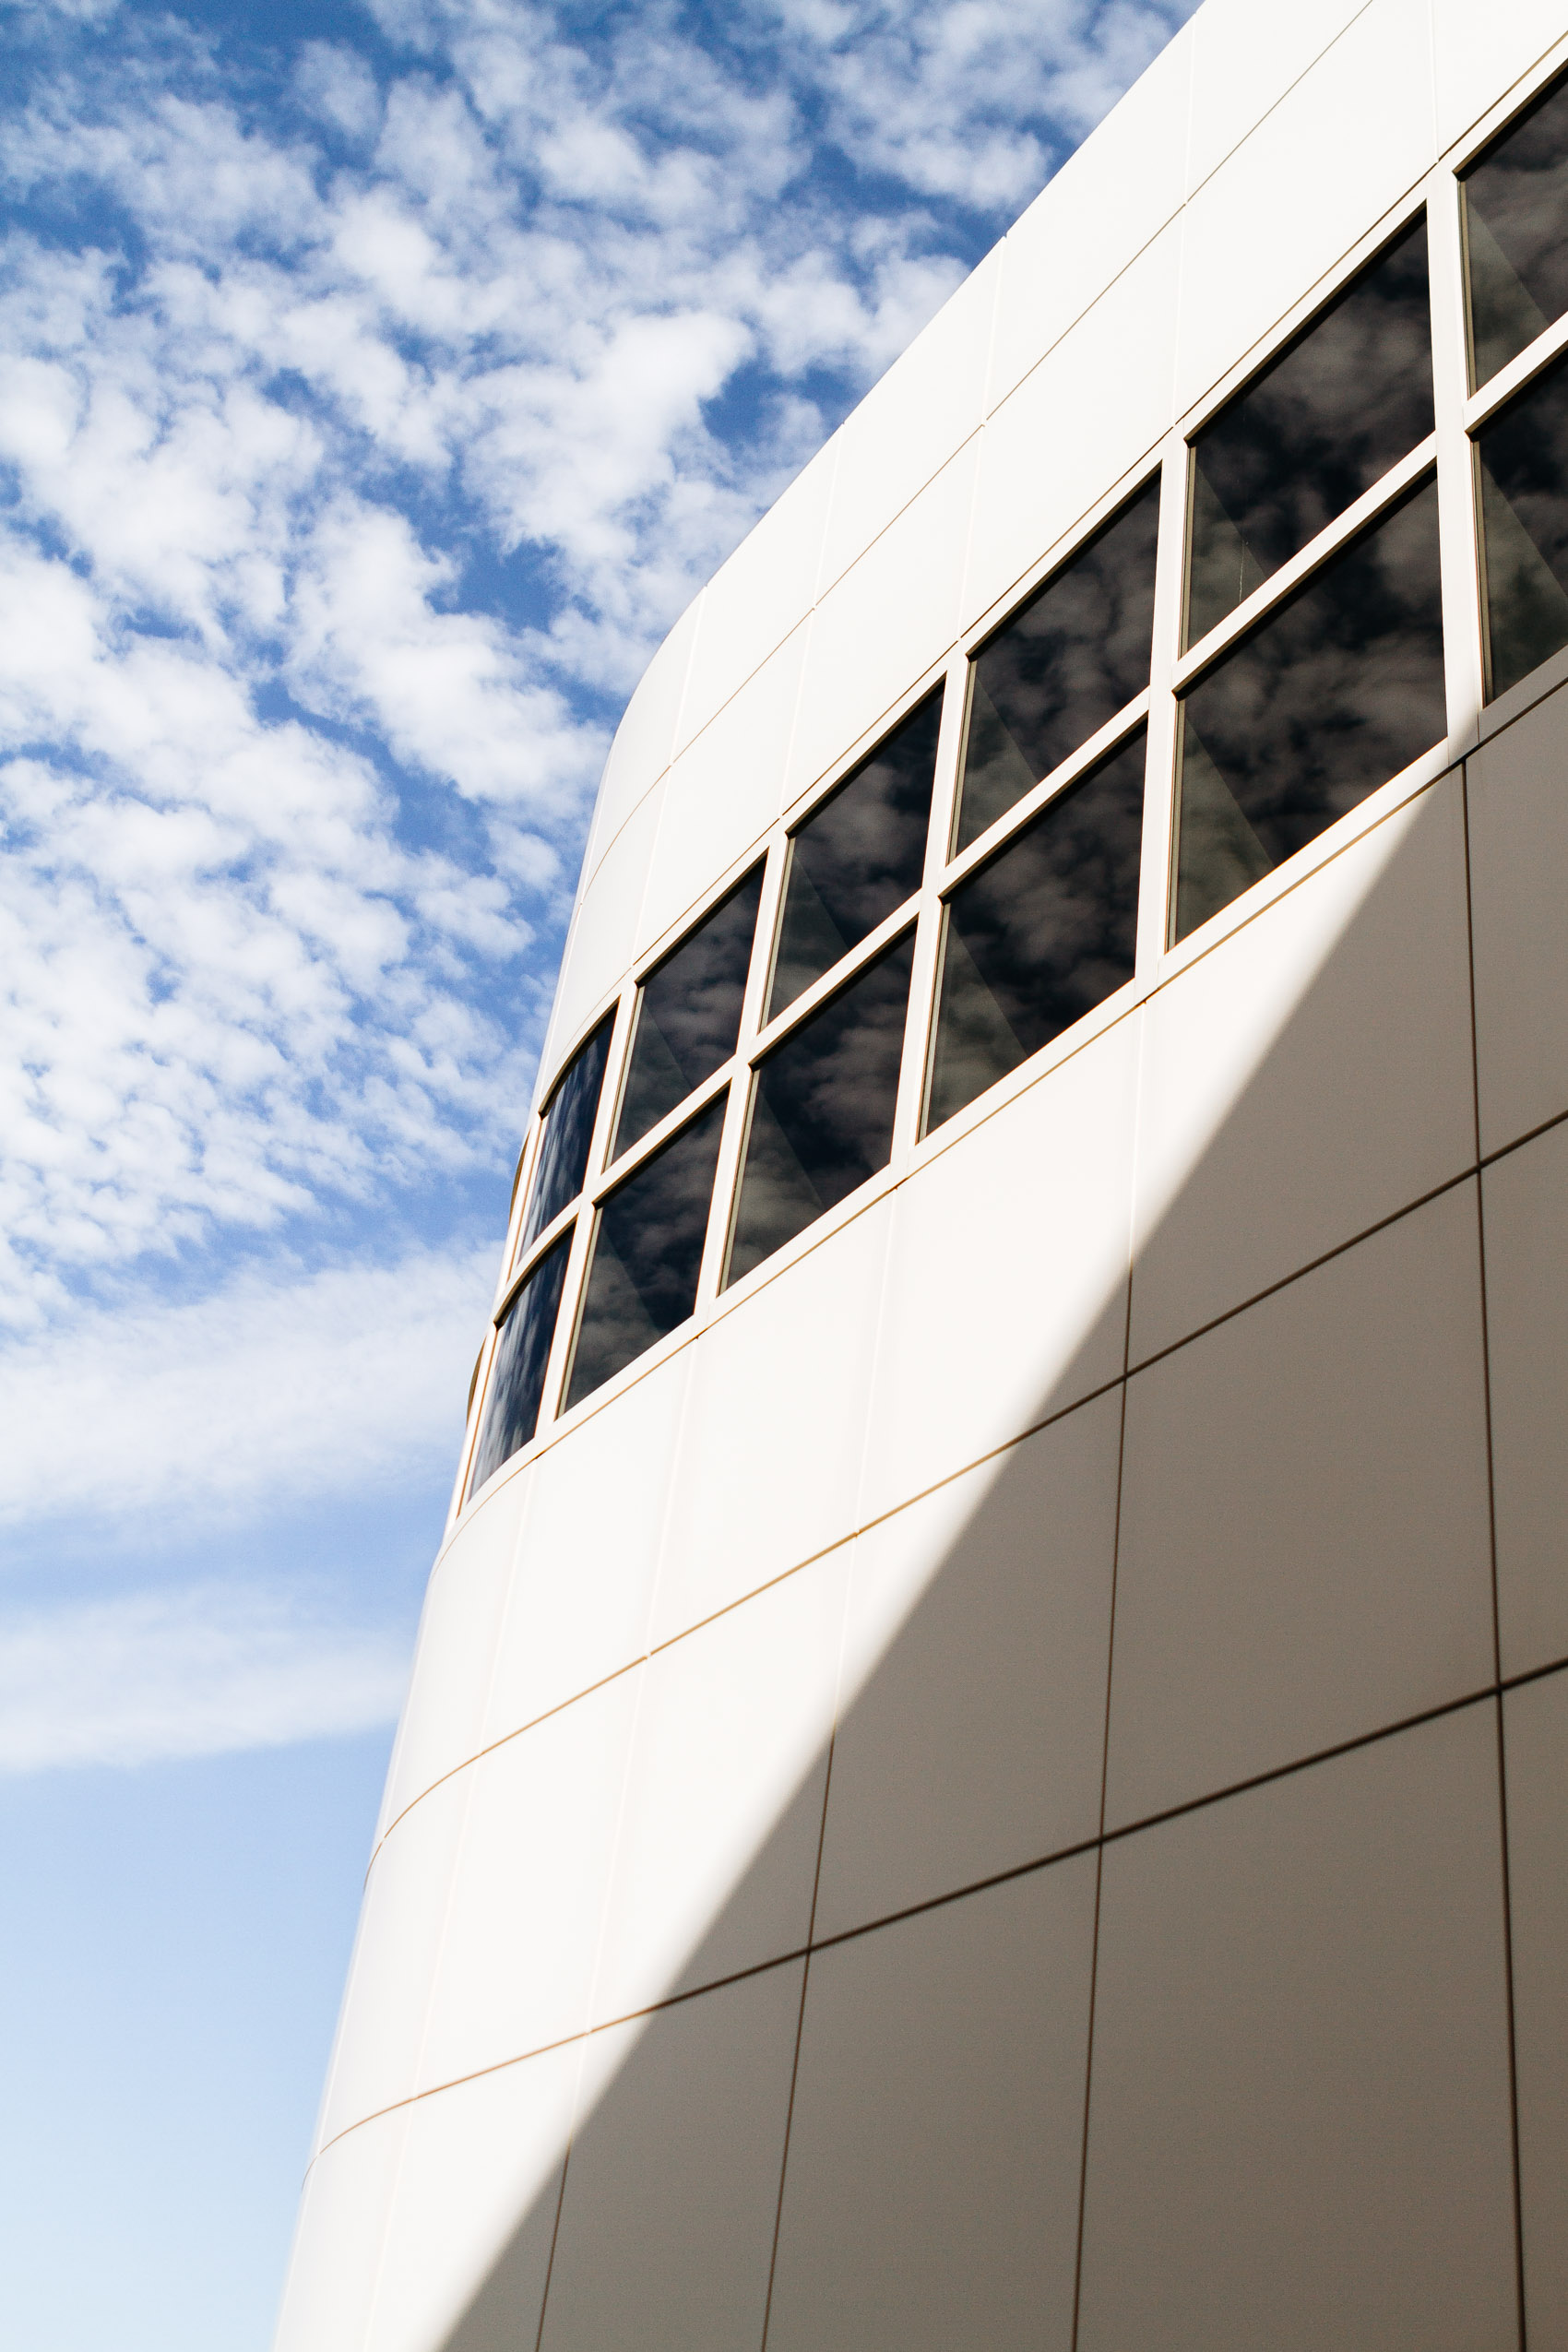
x,y
988,1756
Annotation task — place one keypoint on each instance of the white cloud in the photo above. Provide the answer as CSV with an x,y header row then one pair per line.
x,y
449,692
268,1389
972,99
339,88
204,1672
361,432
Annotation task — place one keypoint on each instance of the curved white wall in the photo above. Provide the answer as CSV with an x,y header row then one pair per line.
x,y
609,1781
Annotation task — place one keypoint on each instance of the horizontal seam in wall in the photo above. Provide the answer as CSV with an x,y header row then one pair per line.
x,y
490,1746
1273,108
1089,307
1485,742
1531,1135
828,588
1006,1445
1491,1691
564,2041
796,1568
1298,1274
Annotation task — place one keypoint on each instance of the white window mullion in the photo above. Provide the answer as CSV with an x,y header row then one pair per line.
x,y
1160,789
1456,468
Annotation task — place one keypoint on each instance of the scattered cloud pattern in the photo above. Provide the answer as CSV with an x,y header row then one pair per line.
x,y
370,404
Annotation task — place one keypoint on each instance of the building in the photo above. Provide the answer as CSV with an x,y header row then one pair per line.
x,y
989,1754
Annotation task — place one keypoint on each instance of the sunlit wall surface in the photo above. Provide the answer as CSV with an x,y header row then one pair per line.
x,y
988,1761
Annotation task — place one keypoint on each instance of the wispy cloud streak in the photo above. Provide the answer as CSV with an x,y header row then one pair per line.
x,y
156,1677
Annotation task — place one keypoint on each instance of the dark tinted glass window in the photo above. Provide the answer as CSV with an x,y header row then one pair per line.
x,y
1074,656
646,1255
568,1131
1044,932
859,857
689,1014
1350,396
1330,698
1516,234
821,1110
1522,462
522,1357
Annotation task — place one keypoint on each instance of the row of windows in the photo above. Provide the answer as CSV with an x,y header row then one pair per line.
x,y
1336,684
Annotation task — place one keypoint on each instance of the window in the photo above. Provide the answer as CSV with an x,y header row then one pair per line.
x,y
859,856
1308,671
522,1358
1342,404
1515,211
569,1133
648,1248
1522,462
1065,663
1336,692
688,1015
821,1110
1042,934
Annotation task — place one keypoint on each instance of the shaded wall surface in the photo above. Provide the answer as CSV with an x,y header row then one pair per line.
x,y
1013,1789
1164,1943
1165,1939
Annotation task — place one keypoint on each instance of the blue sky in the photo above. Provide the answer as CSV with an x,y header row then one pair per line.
x,y
376,386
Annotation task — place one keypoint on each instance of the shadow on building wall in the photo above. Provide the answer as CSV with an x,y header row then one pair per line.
x,y
1278,2014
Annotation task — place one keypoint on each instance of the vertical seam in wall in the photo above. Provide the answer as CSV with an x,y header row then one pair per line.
x,y
789,2105
635,946
1100,1850
835,443
1002,272
1089,2074
961,622
559,2202
1513,2045
1105,1743
1175,383
614,1861
701,601
373,2298
677,1465
810,1915
503,1614
1496,1598
1480,1224
439,1955
874,1374
587,2025
805,1980
807,623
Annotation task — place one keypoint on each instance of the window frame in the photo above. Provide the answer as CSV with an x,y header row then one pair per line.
x,y
1461,414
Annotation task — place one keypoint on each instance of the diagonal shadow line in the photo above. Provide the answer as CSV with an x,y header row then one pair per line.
x,y
599,2257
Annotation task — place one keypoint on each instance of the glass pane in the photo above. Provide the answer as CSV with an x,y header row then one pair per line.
x,y
646,1255
1074,656
1523,462
1516,234
689,1014
859,857
1329,698
568,1131
522,1355
821,1110
1040,935
1350,396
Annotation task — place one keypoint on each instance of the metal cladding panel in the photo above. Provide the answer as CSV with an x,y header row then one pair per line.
x,y
1088,1539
